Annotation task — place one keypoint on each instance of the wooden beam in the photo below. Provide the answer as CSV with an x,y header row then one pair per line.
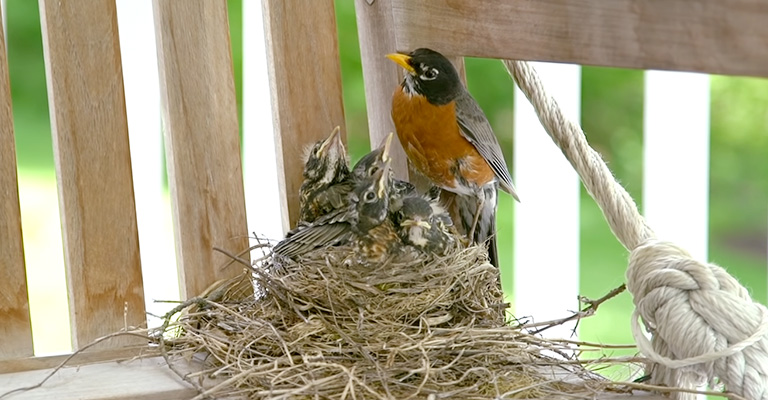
x,y
93,167
141,379
375,28
15,330
201,138
712,36
81,358
151,379
305,82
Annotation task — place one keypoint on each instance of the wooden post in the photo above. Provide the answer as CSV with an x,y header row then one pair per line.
x,y
305,81
93,166
201,138
15,330
375,27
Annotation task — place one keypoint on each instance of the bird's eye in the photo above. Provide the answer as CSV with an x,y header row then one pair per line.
x,y
429,74
373,170
370,196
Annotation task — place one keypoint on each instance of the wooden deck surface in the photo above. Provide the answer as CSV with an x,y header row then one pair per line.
x,y
141,379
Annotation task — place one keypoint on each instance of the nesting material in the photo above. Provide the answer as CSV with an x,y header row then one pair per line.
x,y
329,326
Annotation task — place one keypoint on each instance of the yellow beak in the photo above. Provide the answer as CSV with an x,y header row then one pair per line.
x,y
403,60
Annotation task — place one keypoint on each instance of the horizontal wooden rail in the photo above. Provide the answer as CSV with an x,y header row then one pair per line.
x,y
15,329
713,36
80,358
144,379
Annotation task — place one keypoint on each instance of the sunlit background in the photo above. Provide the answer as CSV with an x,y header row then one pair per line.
x,y
613,110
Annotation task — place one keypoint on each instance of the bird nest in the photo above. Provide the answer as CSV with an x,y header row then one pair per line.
x,y
331,326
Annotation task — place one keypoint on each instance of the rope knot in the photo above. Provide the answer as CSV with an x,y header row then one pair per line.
x,y
704,324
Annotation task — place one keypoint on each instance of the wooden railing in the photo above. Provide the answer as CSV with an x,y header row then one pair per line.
x,y
93,159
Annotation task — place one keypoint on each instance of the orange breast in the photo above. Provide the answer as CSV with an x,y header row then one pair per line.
x,y
430,137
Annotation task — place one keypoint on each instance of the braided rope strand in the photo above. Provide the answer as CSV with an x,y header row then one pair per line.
x,y
705,327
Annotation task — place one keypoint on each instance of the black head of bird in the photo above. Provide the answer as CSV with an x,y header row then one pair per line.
x,y
327,161
371,195
429,74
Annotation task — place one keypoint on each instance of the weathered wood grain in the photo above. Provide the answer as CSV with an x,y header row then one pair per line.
x,y
150,379
15,328
305,81
93,167
142,379
81,358
713,36
201,138
375,28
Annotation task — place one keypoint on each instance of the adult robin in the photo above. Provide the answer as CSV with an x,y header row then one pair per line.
x,y
424,224
448,138
364,223
326,179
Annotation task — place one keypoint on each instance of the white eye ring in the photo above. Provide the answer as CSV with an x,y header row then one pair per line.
x,y
370,197
429,74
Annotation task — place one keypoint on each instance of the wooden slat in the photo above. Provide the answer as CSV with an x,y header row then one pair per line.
x,y
543,205
201,138
375,28
676,194
714,36
305,81
93,167
142,379
15,329
82,358
151,379
262,193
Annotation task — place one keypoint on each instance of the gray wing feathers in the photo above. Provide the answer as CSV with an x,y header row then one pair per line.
x,y
313,237
329,230
476,129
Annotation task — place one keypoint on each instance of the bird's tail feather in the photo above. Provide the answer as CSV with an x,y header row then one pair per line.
x,y
485,231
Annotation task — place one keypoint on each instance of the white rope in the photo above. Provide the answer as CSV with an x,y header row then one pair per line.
x,y
705,327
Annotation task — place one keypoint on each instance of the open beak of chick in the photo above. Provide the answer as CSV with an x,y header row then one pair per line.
x,y
382,177
331,142
386,147
411,223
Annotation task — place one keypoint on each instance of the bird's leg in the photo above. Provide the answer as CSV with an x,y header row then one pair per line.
x,y
478,211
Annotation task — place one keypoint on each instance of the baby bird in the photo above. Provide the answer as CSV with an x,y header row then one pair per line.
x,y
372,162
359,223
326,179
424,224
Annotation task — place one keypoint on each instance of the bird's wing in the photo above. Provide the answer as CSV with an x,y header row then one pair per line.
x,y
329,230
313,237
335,196
477,130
